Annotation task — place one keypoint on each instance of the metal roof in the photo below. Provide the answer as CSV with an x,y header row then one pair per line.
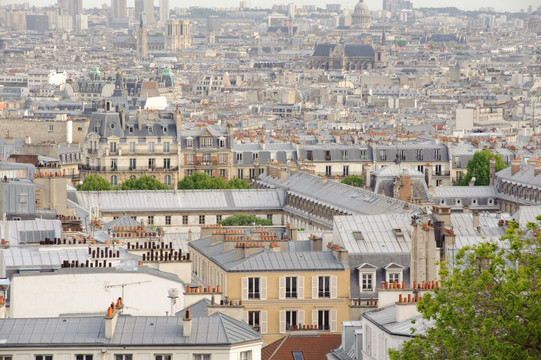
x,y
385,319
29,231
216,329
32,257
474,192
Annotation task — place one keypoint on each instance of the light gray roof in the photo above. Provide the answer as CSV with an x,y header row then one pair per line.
x,y
466,234
29,231
179,200
34,257
266,260
216,329
527,214
453,192
377,231
525,176
385,319
394,170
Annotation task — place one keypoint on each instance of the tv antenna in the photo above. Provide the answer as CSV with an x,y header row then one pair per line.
x,y
108,286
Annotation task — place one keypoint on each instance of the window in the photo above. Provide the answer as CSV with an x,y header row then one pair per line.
x,y
189,158
132,147
150,129
189,143
206,158
163,357
358,235
291,287
222,173
6,357
166,147
253,319
345,170
437,154
133,164
367,282
327,155
167,164
223,158
239,156
291,319
269,217
240,173
113,164
345,155
253,288
251,173
309,155
82,357
51,128
421,168
402,154
394,277
218,218
383,155
201,356
184,219
151,147
297,355
437,170
419,154
151,163
151,220
324,289
206,142
189,172
328,170
201,219
167,219
167,180
323,320
114,180
112,148
122,357
43,357
246,355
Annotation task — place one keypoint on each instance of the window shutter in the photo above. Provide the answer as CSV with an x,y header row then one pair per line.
x,y
263,288
300,317
314,317
300,287
314,287
282,321
263,319
244,288
333,320
333,287
282,289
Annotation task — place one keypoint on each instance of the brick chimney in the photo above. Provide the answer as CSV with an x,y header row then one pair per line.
x,y
316,242
515,165
475,215
187,324
112,317
406,308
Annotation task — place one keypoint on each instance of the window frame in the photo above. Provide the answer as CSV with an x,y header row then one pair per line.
x,y
324,281
292,282
254,288
167,219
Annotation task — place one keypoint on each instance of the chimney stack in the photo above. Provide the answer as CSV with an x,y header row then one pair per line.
x,y
316,242
492,171
112,317
475,214
537,167
187,324
515,165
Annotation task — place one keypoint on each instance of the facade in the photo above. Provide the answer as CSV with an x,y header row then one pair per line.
x,y
519,185
119,9
346,57
249,159
119,148
177,33
282,289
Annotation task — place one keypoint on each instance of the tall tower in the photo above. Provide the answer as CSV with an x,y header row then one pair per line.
x,y
164,11
142,43
145,9
75,8
119,9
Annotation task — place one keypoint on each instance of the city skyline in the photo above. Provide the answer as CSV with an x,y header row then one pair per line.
x,y
498,5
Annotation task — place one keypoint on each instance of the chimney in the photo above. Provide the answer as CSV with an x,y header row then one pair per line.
x,y
407,309
122,116
112,317
428,175
466,209
316,242
69,131
324,180
243,250
139,120
292,233
475,214
515,165
367,169
443,213
187,324
492,171
537,168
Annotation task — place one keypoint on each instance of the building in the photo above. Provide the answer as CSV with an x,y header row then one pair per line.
x,y
283,286
361,17
177,34
119,9
144,11
141,40
75,10
346,57
519,185
164,11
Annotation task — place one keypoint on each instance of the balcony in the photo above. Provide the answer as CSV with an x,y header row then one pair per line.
x,y
93,151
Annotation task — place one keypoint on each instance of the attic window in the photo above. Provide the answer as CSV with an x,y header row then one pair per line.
x,y
130,129
165,129
297,355
112,125
150,128
398,232
358,235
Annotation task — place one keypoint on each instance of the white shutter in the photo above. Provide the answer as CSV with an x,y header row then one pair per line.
x,y
282,288
244,288
314,287
333,287
300,287
282,321
263,319
263,288
333,320
300,317
314,317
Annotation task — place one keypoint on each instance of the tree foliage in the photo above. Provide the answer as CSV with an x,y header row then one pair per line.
x,y
94,183
487,307
201,180
244,220
143,183
479,167
353,180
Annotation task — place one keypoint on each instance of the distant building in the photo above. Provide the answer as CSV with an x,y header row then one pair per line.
x,y
361,17
177,35
37,22
119,9
346,57
164,11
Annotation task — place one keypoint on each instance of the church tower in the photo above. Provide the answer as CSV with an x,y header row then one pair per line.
x,y
142,41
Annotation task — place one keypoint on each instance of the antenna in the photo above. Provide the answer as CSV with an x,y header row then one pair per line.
x,y
108,286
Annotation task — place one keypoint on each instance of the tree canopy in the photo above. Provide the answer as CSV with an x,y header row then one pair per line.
x,y
201,180
489,305
94,183
479,167
244,220
353,180
143,183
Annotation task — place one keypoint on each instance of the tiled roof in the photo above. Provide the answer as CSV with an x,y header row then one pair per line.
x,y
312,347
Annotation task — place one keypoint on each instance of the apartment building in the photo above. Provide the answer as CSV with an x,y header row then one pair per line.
x,y
119,148
284,286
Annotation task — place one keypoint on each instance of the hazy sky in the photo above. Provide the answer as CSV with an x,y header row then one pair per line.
x,y
507,5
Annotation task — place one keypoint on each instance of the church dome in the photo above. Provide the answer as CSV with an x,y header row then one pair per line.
x,y
361,16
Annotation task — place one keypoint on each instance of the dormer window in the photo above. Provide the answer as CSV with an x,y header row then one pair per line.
x,y
206,142
150,129
398,233
367,277
221,142
358,235
164,129
393,273
189,142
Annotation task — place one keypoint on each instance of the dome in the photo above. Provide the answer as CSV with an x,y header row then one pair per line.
x,y
361,8
361,16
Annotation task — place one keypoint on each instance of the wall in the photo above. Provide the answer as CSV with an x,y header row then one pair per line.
x,y
40,131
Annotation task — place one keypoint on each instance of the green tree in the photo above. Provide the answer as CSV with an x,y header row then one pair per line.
x,y
479,167
244,220
94,183
237,183
353,180
489,305
143,183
